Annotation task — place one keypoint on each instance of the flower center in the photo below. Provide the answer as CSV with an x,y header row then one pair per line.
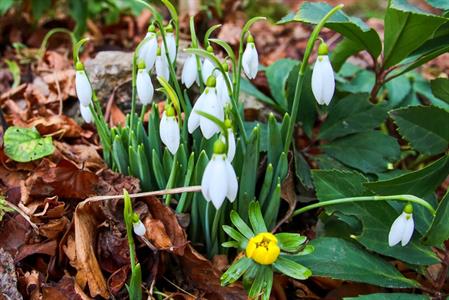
x,y
263,248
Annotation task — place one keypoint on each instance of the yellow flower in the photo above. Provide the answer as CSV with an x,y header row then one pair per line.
x,y
263,248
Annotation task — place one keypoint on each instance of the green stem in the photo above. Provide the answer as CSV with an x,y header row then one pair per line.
x,y
407,198
299,82
133,89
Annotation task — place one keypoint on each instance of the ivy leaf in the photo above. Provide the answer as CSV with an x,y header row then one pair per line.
x,y
26,144
370,152
425,127
349,262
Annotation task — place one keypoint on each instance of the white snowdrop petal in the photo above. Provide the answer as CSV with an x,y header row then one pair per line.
x,y
86,114
139,228
207,175
254,63
218,186
323,80
169,132
396,230
162,69
207,69
231,180
189,72
409,226
231,145
83,88
211,106
194,118
144,87
222,90
151,53
250,61
171,45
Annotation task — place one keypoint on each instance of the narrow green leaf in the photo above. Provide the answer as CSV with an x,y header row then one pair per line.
x,y
237,236
291,268
389,296
241,225
236,270
256,218
290,242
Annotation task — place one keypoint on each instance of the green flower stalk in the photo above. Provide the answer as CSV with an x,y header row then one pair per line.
x,y
265,253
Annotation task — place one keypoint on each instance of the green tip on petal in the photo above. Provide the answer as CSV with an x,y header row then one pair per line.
x,y
211,81
408,208
169,111
219,147
158,51
228,123
210,49
151,28
135,218
79,66
141,64
323,49
250,38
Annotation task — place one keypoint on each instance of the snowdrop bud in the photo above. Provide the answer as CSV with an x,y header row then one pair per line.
x,y
82,85
208,66
402,228
139,228
169,130
86,114
219,180
209,103
189,72
171,43
250,59
323,81
162,68
144,86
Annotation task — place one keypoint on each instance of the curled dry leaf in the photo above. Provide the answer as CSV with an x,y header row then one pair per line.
x,y
47,248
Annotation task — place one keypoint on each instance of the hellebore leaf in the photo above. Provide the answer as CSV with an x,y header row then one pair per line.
x,y
26,144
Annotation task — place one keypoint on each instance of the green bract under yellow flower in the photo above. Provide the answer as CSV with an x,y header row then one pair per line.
x,y
263,248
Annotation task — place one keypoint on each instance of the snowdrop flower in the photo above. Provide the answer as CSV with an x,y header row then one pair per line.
x,y
231,140
219,180
208,66
169,130
147,51
162,68
171,44
402,228
144,86
208,102
138,227
222,88
323,81
82,85
86,114
189,72
250,59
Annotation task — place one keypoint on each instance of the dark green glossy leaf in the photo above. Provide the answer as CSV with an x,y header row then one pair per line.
x,y
277,75
440,88
425,127
340,259
439,230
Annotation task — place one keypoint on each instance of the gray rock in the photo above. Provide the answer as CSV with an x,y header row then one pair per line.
x,y
8,279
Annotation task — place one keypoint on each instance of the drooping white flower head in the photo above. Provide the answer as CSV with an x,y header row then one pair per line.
x,y
207,68
139,228
222,88
169,130
231,140
219,180
402,228
82,85
189,72
171,43
208,102
250,59
144,86
86,114
147,51
323,80
162,68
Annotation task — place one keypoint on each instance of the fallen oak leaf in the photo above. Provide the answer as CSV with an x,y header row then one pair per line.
x,y
47,248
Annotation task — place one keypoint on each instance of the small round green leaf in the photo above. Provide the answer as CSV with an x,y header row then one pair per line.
x,y
26,144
